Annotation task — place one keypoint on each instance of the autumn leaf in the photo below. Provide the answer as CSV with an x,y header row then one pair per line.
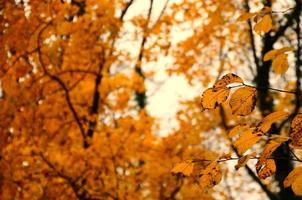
x,y
226,80
269,148
237,129
210,176
292,176
294,179
186,168
266,169
268,120
273,53
246,140
296,131
246,15
243,101
212,98
280,64
264,24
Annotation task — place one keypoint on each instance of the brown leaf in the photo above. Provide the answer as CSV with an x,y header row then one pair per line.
x,y
266,169
296,132
210,176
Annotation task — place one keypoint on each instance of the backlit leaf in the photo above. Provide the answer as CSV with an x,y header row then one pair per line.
x,y
264,24
243,101
246,140
268,120
297,185
269,148
280,64
186,168
270,55
291,177
212,98
266,168
275,52
245,16
296,131
237,129
210,176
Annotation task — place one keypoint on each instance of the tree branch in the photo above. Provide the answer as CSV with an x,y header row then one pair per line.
x,y
62,84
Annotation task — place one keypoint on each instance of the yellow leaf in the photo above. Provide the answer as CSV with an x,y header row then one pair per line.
x,y
296,131
291,177
297,185
264,25
270,55
186,168
275,52
244,159
212,98
237,129
269,148
266,169
243,101
246,140
226,80
280,64
285,49
210,176
245,16
279,138
268,120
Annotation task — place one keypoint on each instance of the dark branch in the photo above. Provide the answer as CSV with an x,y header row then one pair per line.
x,y
63,86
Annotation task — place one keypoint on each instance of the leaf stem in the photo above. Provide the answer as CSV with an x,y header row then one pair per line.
x,y
263,88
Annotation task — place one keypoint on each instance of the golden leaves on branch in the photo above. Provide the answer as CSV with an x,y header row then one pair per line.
x,y
243,101
210,176
265,166
296,132
279,59
215,96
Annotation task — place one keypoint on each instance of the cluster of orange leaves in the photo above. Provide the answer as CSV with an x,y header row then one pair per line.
x,y
242,102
